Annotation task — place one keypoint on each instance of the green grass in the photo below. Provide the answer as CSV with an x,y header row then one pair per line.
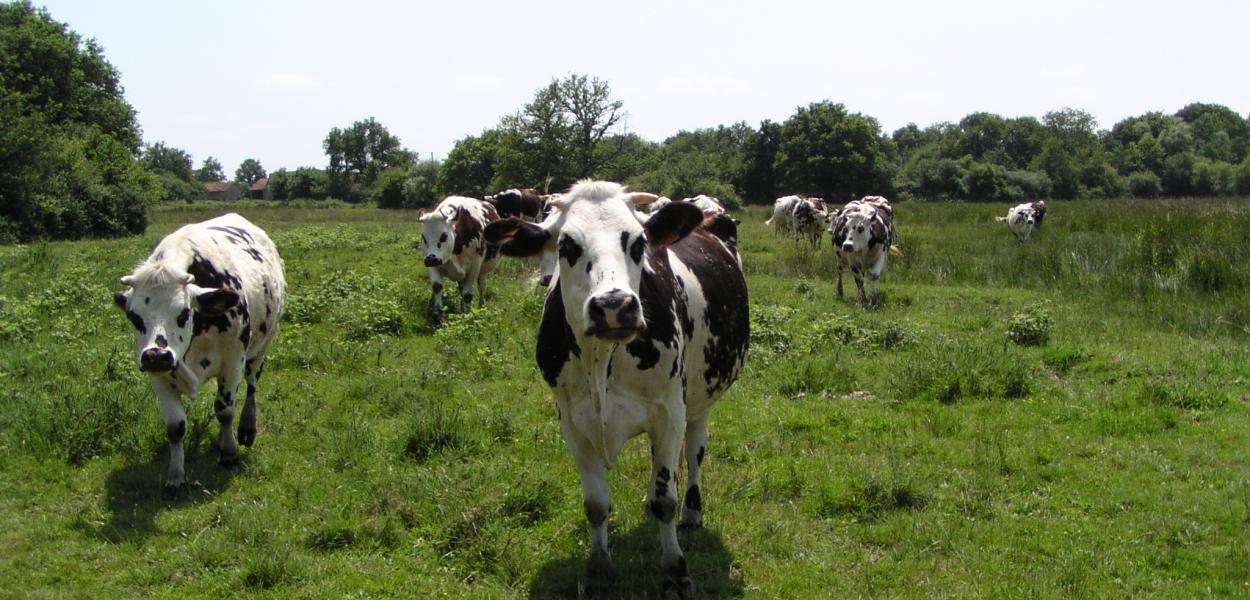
x,y
1065,417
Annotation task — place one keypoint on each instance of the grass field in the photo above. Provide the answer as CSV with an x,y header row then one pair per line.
x,y
908,451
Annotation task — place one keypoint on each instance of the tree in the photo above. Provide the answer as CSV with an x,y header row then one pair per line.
x,y
470,165
358,154
68,138
249,172
421,184
828,151
166,159
591,114
210,170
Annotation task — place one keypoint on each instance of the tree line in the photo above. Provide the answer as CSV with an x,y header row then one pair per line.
x,y
73,162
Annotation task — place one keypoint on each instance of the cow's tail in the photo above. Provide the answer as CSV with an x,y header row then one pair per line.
x,y
1000,219
599,390
894,251
769,221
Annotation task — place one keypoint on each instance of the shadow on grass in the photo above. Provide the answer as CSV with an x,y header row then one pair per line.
x,y
636,560
136,491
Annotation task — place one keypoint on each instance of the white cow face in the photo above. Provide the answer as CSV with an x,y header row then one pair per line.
x,y
858,231
601,248
162,316
438,234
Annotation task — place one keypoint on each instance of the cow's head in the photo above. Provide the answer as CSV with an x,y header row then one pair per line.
x,y
601,249
159,303
861,227
438,234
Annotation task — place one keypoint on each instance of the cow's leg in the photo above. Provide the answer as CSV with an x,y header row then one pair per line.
x,y
839,279
662,496
696,444
436,293
481,286
596,497
876,271
466,288
227,391
175,430
247,419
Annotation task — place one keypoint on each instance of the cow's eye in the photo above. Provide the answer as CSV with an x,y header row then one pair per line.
x,y
859,229
442,238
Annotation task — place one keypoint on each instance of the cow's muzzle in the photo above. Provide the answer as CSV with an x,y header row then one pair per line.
x,y
848,247
155,360
544,281
433,261
615,316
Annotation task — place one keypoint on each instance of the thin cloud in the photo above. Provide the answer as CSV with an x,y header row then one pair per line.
x,y
288,82
479,82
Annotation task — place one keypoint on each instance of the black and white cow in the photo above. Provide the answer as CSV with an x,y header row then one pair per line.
x,y
453,246
782,220
643,328
863,236
205,304
1022,219
810,217
517,203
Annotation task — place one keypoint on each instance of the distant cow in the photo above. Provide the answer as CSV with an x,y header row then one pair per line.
x,y
1022,219
517,203
644,327
453,246
809,218
205,304
709,205
863,235
782,220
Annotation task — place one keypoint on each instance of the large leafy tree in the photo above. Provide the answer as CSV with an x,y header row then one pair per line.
x,y
592,113
68,138
210,170
358,154
249,171
829,151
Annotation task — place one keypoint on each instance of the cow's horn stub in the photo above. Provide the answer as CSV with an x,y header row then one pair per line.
x,y
643,197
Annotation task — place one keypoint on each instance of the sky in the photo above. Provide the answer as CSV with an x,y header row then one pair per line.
x,y
268,79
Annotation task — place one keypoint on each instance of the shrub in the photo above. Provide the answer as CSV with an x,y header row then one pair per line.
x,y
1144,184
388,190
1031,326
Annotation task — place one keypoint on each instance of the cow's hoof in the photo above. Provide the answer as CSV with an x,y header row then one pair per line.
x,y
599,569
229,460
177,491
682,586
247,436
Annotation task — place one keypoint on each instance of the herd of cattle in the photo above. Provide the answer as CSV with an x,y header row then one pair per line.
x,y
645,323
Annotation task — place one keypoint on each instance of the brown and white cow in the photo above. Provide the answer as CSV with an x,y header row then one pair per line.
x,y
643,328
782,220
863,235
1022,219
810,217
453,246
206,303
517,203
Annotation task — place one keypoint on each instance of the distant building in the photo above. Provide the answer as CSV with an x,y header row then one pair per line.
x,y
221,190
260,190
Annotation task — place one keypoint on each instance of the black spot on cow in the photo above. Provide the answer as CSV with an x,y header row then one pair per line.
x,y
637,248
556,342
147,300
208,276
237,235
596,513
264,328
183,316
663,508
699,457
590,264
727,318
201,323
219,405
659,298
569,250
624,241
175,431
161,342
694,500
205,362
137,321
437,286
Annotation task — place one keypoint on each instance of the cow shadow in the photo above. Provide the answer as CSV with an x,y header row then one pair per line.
x,y
135,492
635,559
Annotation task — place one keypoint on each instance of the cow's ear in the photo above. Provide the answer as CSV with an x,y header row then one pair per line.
x,y
119,298
518,238
671,223
213,302
420,213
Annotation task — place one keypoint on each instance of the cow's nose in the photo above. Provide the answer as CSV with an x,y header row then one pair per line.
x,y
848,247
433,261
616,315
156,359
544,281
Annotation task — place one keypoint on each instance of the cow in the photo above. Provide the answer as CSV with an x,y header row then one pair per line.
x,y
1022,219
659,203
643,328
453,246
517,203
782,220
863,235
709,205
206,303
809,217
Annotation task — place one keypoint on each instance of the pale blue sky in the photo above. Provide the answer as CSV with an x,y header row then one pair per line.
x,y
265,79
